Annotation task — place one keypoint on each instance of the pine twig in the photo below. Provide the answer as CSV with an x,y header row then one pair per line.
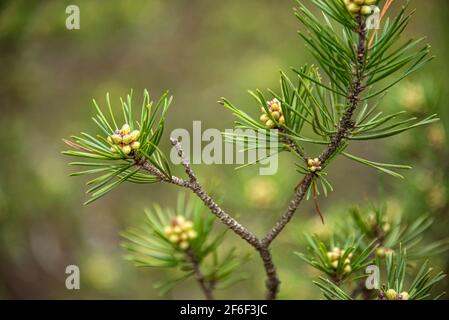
x,y
206,286
272,282
345,126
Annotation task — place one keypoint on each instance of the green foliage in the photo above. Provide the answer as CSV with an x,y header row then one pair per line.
x,y
350,249
329,105
150,246
420,287
310,101
111,164
374,238
391,233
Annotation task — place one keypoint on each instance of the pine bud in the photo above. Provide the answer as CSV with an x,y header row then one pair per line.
x,y
274,106
168,230
314,164
126,149
334,264
188,225
347,261
353,8
184,236
127,139
192,234
180,219
177,229
337,250
370,2
404,296
135,145
135,135
264,118
380,252
366,10
270,124
391,294
116,138
281,120
372,220
183,245
173,238
359,2
125,129
334,256
276,115
347,269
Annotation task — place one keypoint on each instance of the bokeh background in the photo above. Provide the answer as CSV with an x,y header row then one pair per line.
x,y
201,50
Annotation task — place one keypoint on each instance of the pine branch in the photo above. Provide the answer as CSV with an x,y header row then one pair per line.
x,y
272,282
345,126
206,286
134,147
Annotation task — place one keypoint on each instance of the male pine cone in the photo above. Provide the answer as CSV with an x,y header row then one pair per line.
x,y
275,119
124,140
180,232
360,6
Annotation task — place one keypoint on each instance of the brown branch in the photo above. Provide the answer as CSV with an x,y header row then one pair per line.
x,y
206,286
292,145
196,188
262,246
345,126
299,194
272,283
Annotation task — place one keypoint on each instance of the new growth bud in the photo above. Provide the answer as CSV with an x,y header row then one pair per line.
x,y
382,252
314,165
335,256
124,140
364,7
275,117
391,294
403,296
125,129
180,232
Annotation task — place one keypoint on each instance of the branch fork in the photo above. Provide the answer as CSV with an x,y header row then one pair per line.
x,y
262,246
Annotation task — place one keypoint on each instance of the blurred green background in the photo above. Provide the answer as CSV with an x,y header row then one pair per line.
x,y
201,50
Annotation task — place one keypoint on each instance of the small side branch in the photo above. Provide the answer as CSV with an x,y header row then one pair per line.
x,y
262,246
299,195
345,126
272,282
193,185
205,285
